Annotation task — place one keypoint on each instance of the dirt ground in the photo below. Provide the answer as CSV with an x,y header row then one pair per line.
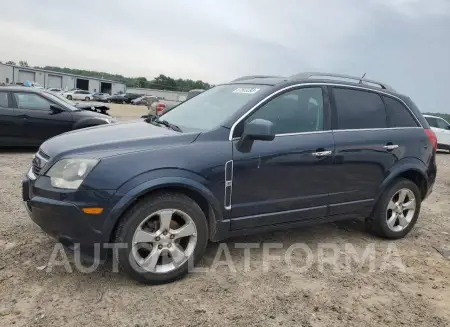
x,y
346,294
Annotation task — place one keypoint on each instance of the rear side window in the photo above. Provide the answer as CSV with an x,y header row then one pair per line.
x,y
4,99
359,109
398,115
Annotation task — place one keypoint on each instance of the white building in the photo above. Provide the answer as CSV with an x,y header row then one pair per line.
x,y
10,74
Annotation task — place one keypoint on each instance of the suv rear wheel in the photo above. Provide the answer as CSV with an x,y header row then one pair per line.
x,y
397,210
163,233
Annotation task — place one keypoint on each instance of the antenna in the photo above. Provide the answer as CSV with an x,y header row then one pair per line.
x,y
362,77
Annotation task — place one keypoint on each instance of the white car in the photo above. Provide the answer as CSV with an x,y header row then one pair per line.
x,y
78,95
442,130
55,90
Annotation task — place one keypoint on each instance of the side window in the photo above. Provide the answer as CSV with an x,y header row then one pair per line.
x,y
4,100
296,111
442,123
398,115
31,101
432,121
359,109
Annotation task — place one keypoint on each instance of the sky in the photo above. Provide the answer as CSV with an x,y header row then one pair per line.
x,y
404,43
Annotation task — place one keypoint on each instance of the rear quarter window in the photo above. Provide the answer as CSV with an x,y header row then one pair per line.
x,y
359,109
398,115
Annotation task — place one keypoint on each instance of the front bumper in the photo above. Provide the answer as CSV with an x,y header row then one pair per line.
x,y
60,215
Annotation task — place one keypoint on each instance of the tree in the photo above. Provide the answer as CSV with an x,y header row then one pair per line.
x,y
141,82
10,62
23,63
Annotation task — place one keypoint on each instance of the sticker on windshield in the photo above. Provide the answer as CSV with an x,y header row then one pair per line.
x,y
246,90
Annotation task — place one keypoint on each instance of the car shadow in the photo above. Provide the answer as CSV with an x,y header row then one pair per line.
x,y
18,150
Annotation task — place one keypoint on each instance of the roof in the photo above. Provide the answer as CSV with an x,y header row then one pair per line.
x,y
315,78
11,88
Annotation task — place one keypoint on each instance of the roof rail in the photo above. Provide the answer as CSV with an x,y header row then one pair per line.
x,y
252,77
361,80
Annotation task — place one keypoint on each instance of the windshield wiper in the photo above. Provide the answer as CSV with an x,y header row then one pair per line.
x,y
156,120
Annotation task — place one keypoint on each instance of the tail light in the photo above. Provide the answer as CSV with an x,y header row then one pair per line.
x,y
432,137
160,107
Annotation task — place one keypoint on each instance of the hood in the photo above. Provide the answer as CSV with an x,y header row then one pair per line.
x,y
90,104
114,139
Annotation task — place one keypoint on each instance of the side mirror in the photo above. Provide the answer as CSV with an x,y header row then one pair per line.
x,y
55,109
448,127
258,129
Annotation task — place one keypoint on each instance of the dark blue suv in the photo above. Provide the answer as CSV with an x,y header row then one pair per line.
x,y
256,154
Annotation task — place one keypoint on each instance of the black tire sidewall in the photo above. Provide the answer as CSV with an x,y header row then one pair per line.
x,y
380,219
141,211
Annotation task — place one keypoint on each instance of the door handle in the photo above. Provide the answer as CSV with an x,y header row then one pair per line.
x,y
390,147
322,153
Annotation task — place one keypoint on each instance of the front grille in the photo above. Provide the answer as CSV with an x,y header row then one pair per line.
x,y
39,161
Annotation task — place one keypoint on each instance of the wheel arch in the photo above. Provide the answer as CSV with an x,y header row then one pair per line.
x,y
196,191
413,170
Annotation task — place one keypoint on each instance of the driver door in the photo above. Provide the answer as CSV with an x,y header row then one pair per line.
x,y
40,121
287,179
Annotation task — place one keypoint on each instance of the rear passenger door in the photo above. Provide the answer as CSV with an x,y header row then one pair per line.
x,y
368,143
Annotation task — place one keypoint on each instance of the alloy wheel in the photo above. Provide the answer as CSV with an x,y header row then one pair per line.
x,y
164,241
401,209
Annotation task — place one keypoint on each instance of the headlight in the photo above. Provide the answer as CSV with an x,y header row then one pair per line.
x,y
70,173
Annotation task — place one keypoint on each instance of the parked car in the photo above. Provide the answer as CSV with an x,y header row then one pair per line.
x,y
103,97
33,84
193,93
78,95
253,155
86,105
162,106
141,100
29,116
441,128
123,97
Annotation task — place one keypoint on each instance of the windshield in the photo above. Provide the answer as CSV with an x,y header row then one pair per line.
x,y
211,108
60,100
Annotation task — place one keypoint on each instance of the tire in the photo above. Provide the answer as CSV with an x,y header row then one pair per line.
x,y
385,211
69,97
124,102
87,99
109,101
131,223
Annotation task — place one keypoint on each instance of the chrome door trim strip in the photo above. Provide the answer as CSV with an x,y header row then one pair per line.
x,y
230,136
228,184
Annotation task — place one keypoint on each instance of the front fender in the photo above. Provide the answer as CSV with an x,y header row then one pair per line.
x,y
127,196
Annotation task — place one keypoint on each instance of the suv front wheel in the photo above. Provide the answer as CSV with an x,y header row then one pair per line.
x,y
164,234
397,210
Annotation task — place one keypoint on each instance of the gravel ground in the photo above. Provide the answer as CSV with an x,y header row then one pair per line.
x,y
411,288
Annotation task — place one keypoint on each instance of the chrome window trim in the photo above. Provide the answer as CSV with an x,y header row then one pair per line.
x,y
230,136
339,130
